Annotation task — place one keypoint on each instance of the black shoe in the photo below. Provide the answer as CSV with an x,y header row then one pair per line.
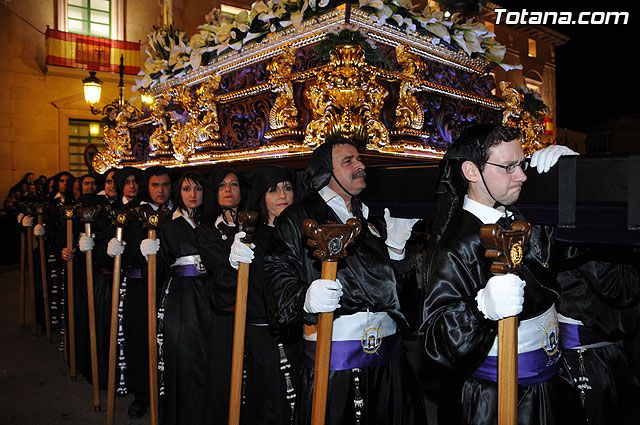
x,y
137,409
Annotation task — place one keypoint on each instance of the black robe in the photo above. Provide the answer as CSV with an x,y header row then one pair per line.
x,y
272,361
390,391
186,315
600,288
457,336
214,244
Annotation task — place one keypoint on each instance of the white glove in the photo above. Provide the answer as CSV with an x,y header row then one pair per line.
x,y
115,247
85,243
20,216
240,252
546,158
502,297
39,230
398,230
27,221
149,247
323,296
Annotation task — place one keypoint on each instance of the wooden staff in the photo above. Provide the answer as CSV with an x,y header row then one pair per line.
x,y
120,219
70,336
32,283
330,241
246,221
22,279
152,221
507,249
40,210
87,216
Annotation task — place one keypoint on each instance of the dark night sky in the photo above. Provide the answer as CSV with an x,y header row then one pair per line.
x,y
597,69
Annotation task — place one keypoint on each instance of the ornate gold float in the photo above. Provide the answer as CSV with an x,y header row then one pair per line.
x,y
277,99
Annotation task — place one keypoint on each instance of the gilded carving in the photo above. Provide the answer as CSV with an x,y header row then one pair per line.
x,y
409,113
513,101
283,113
118,141
159,139
515,116
346,99
201,118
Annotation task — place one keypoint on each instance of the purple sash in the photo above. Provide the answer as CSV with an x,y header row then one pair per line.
x,y
187,270
350,354
577,335
133,274
534,367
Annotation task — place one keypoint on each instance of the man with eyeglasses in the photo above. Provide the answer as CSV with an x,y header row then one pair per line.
x,y
479,181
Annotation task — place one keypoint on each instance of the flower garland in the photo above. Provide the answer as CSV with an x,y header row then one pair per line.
x,y
351,34
171,53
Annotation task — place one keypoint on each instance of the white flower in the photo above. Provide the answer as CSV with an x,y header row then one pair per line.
x,y
375,4
440,31
409,24
398,18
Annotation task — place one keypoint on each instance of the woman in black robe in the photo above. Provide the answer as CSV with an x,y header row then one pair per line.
x,y
185,312
272,361
215,236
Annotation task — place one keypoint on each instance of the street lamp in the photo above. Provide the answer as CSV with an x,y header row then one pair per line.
x,y
92,90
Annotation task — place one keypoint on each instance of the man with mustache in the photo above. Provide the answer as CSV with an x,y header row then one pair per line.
x,y
371,380
480,179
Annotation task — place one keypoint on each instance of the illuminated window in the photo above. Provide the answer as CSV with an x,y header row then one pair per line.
x,y
83,134
230,10
89,17
532,48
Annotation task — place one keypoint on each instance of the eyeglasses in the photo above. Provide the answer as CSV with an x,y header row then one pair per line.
x,y
510,169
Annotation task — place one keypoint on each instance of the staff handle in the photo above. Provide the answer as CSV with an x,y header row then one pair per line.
x,y
153,331
507,249
323,353
246,221
92,325
71,305
508,371
32,283
330,241
113,337
238,343
45,285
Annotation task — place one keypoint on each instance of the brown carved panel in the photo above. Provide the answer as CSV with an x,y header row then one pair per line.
x,y
244,122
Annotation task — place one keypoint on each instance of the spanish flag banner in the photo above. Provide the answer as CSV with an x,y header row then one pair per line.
x,y
93,53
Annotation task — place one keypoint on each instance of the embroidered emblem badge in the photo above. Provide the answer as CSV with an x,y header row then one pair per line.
x,y
550,339
371,340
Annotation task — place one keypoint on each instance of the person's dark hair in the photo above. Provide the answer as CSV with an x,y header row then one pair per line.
x,y
320,168
68,194
193,177
262,180
121,177
156,170
91,175
474,144
212,208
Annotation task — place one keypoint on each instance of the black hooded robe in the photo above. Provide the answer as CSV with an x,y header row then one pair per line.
x,y
384,393
186,316
600,289
458,338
